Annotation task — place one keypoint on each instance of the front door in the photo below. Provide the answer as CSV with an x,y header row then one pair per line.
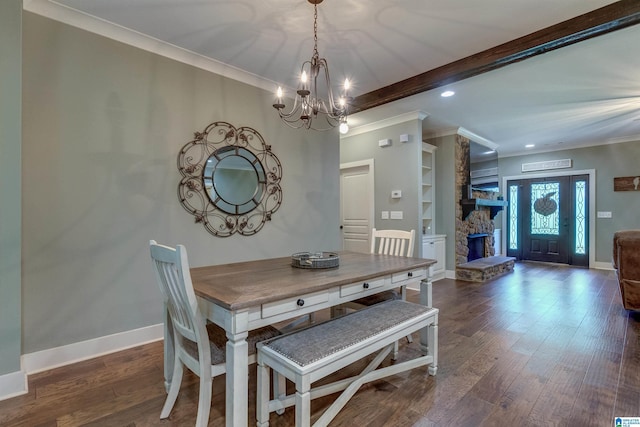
x,y
548,218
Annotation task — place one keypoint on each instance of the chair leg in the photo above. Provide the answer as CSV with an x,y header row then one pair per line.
x,y
174,389
409,338
204,399
279,389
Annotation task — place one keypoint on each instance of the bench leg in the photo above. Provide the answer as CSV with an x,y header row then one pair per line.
x,y
262,399
303,409
431,346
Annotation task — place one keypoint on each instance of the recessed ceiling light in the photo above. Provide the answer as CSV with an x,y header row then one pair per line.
x,y
447,93
529,146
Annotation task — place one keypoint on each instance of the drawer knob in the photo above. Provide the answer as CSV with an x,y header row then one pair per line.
x,y
365,285
410,274
300,302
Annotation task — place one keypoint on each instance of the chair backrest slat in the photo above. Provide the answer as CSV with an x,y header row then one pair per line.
x,y
392,242
174,279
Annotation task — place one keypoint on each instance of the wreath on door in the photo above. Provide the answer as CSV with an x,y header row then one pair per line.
x,y
546,205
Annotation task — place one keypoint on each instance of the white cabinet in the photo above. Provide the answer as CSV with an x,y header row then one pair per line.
x,y
428,188
497,241
434,247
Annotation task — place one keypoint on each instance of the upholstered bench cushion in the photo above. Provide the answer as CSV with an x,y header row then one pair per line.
x,y
309,345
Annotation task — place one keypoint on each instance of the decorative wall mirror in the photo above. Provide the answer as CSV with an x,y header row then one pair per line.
x,y
230,179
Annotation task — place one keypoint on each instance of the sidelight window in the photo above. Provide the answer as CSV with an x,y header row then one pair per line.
x,y
581,216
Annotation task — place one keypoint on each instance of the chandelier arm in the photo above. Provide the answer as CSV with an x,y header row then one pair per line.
x,y
332,105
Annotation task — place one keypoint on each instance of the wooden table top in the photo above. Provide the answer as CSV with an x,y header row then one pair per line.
x,y
245,284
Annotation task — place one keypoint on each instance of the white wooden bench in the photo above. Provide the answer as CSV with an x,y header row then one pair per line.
x,y
310,354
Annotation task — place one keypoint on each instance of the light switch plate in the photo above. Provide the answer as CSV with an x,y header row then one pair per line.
x,y
604,214
396,214
385,215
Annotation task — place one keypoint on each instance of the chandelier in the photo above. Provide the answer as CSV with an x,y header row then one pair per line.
x,y
315,106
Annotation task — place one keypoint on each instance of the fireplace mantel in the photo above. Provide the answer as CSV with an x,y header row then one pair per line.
x,y
470,205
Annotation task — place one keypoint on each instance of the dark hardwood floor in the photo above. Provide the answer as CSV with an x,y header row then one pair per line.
x,y
542,346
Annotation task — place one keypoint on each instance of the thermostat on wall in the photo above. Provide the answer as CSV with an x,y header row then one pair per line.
x,y
396,194
384,142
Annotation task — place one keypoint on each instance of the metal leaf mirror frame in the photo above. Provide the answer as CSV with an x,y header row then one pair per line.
x,y
230,179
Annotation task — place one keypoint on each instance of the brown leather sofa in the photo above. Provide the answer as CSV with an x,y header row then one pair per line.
x,y
626,261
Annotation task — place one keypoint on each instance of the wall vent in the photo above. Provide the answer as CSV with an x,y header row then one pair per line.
x,y
550,164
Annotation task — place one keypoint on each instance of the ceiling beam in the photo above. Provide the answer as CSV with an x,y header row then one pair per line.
x,y
609,18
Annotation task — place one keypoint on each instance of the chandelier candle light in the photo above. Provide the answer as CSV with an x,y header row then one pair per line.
x,y
310,110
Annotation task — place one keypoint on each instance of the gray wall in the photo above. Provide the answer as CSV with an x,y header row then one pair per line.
x,y
609,161
396,167
103,124
10,174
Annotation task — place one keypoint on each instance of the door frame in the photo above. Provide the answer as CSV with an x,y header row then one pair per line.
x,y
371,188
592,203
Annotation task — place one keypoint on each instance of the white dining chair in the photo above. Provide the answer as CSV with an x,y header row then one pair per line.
x,y
197,345
387,242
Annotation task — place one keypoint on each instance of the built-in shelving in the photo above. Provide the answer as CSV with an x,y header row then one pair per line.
x,y
428,188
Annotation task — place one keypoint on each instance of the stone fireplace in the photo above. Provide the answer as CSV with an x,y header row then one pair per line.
x,y
478,221
475,220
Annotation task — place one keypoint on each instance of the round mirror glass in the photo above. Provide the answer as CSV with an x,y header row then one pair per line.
x,y
233,179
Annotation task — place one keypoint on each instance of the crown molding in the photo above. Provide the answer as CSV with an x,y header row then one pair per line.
x,y
369,127
476,138
589,144
58,12
463,132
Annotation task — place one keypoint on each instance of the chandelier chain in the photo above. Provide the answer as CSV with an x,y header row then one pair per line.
x,y
315,30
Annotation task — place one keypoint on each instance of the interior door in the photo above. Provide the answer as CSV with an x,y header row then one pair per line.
x,y
356,205
546,220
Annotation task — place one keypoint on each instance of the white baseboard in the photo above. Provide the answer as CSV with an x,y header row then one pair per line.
x,y
599,265
13,384
76,352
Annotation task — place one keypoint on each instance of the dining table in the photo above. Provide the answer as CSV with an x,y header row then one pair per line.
x,y
243,296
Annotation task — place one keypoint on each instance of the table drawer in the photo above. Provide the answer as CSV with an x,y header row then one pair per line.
x,y
294,303
361,287
417,274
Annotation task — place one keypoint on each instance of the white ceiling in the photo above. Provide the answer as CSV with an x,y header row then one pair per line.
x,y
584,94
